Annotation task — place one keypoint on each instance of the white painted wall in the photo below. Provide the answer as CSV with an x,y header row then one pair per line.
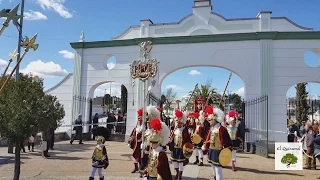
x,y
63,91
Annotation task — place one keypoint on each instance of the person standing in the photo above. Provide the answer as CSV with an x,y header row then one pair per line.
x,y
217,139
199,130
45,143
293,131
31,143
135,140
95,122
180,137
78,128
51,138
303,128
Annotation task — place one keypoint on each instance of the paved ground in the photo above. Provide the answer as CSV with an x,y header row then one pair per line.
x,y
72,162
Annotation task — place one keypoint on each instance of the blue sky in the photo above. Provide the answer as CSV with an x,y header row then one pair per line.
x,y
59,22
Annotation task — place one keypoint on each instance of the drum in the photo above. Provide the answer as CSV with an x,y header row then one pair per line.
x,y
225,157
196,139
187,150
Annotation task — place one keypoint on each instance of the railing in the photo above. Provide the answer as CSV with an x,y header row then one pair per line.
x,y
256,120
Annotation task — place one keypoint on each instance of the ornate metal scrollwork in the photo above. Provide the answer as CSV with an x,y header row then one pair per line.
x,y
143,69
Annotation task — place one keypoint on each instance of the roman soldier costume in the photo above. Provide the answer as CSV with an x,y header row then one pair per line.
x,y
158,165
135,140
99,159
201,135
217,139
191,122
235,136
179,138
153,112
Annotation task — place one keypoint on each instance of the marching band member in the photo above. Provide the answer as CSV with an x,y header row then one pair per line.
x,y
99,159
235,136
135,140
179,138
158,165
153,112
190,122
217,139
199,131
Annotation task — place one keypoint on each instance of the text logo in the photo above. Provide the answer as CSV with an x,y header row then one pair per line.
x,y
288,156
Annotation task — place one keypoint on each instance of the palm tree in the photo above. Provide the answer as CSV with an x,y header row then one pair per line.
x,y
206,92
178,102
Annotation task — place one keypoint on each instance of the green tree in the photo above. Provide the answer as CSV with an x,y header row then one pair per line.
x,y
236,101
289,159
302,107
207,92
25,109
170,97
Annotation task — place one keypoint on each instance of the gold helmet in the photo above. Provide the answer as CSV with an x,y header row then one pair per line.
x,y
101,139
161,132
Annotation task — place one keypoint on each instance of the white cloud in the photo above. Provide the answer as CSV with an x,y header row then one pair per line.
x,y
67,54
194,73
174,87
240,91
44,69
105,89
111,65
3,63
57,6
34,16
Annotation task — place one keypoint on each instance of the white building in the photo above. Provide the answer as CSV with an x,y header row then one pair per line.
x,y
266,52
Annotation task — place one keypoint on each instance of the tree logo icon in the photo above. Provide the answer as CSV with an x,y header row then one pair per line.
x,y
289,159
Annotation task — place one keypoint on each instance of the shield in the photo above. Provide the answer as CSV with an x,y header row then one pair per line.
x,y
225,157
187,150
196,139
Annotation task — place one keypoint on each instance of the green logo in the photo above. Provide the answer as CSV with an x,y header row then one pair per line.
x,y
289,159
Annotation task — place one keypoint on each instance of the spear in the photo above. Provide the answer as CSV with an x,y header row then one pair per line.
x,y
12,56
27,44
9,14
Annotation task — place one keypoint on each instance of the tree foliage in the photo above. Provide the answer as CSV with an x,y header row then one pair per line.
x,y
302,107
26,109
236,101
289,159
170,97
207,92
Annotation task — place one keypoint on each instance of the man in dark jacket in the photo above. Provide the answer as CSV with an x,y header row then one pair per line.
x,y
45,144
51,138
95,122
78,129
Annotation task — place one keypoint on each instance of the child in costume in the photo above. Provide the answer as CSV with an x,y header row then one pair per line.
x,y
99,159
158,164
180,137
199,130
235,136
217,139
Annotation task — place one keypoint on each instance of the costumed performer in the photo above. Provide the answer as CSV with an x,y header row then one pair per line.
x,y
99,159
158,165
217,139
235,135
179,137
199,131
135,140
153,112
190,122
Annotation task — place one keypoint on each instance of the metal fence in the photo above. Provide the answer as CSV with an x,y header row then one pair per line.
x,y
255,113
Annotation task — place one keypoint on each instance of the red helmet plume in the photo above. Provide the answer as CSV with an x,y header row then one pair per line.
x,y
156,124
178,113
232,113
209,110
196,115
140,112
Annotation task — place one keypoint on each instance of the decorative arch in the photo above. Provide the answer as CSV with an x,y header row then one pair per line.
x,y
201,32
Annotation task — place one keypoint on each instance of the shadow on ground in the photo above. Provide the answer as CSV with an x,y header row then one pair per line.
x,y
10,160
256,171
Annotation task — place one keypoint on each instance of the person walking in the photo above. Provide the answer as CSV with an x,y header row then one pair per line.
x,y
51,138
78,128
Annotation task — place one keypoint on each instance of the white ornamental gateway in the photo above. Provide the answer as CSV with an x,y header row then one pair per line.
x,y
266,52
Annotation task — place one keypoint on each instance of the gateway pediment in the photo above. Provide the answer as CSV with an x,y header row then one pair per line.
x,y
203,22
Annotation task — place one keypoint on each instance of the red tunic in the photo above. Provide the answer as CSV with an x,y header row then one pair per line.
x,y
201,132
135,144
163,166
224,138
